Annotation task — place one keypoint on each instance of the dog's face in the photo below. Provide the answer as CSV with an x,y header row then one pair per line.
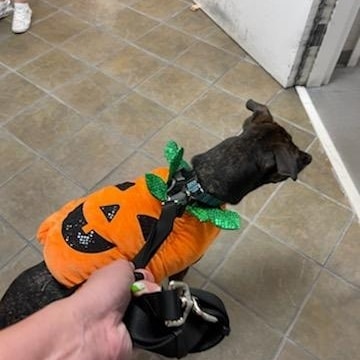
x,y
263,153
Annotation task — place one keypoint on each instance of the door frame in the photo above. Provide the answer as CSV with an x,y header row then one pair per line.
x,y
339,27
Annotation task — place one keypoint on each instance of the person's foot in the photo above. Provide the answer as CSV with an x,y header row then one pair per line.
x,y
5,8
22,18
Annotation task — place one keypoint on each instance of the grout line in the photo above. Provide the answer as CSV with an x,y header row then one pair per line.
x,y
92,188
342,279
294,124
246,306
161,20
314,189
39,156
297,315
17,232
11,259
243,234
305,350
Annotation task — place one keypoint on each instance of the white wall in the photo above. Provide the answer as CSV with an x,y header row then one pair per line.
x,y
273,32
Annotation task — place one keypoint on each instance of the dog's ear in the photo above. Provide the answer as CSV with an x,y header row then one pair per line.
x,y
286,161
261,112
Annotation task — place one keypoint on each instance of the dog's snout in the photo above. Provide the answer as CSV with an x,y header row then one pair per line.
x,y
305,158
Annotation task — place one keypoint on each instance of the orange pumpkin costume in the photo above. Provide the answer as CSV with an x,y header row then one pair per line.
x,y
113,223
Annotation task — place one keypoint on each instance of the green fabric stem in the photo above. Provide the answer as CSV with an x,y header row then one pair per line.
x,y
156,186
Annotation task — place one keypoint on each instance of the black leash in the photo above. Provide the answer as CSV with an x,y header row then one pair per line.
x,y
177,320
158,234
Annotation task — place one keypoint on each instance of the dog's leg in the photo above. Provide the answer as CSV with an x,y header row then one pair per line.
x,y
179,276
30,291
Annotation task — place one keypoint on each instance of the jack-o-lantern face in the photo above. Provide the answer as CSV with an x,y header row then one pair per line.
x,y
79,226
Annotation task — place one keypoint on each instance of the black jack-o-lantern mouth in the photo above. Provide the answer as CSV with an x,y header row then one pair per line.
x,y
75,235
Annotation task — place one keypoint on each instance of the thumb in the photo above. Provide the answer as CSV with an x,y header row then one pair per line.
x,y
141,287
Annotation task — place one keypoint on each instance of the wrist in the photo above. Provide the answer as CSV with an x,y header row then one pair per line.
x,y
51,334
66,332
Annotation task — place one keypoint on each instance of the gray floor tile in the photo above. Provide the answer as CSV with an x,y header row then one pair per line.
x,y
193,139
10,243
345,260
3,70
218,250
53,69
12,87
137,112
95,11
329,324
219,112
294,352
176,94
321,175
13,156
91,93
45,124
220,39
90,154
131,65
206,61
93,45
195,23
160,9
129,24
26,258
287,105
157,42
249,82
298,216
21,49
250,338
58,27
34,194
267,276
136,165
41,9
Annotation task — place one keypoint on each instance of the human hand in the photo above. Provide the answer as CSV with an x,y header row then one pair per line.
x,y
101,304
98,308
85,326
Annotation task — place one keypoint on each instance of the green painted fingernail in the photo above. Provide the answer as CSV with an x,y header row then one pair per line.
x,y
137,286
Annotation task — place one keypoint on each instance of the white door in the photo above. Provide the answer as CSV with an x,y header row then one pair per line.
x,y
274,32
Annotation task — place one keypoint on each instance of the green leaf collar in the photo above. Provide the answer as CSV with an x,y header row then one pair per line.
x,y
222,218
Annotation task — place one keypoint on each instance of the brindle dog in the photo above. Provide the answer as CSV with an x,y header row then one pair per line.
x,y
263,153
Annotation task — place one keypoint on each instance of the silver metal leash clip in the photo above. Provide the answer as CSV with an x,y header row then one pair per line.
x,y
198,311
189,303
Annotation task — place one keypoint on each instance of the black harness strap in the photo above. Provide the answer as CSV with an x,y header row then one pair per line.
x,y
158,234
178,320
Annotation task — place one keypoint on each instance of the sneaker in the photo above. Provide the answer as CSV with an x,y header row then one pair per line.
x,y
22,18
5,8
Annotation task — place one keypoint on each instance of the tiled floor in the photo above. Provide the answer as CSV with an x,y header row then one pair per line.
x,y
91,94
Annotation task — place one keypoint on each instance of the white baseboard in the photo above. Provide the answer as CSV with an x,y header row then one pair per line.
x,y
331,151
